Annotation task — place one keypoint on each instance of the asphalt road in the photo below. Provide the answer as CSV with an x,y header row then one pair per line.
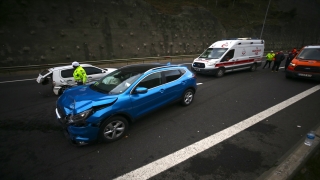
x,y
34,147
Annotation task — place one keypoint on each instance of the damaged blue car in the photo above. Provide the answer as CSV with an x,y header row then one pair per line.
x,y
103,110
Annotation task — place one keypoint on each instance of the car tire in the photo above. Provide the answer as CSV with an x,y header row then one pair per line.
x,y
253,67
113,129
187,97
220,72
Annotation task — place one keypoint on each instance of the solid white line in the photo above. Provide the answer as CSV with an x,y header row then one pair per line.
x,y
17,80
181,155
199,83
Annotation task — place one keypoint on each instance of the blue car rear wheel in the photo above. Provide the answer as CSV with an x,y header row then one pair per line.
x,y
187,97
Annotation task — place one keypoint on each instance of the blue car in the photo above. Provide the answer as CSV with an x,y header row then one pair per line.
x,y
103,110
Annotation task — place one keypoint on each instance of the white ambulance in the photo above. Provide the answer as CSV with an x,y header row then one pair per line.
x,y
230,55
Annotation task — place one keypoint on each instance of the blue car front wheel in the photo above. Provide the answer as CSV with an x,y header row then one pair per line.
x,y
113,129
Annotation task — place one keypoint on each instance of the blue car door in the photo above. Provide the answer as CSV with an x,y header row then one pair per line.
x,y
145,102
174,84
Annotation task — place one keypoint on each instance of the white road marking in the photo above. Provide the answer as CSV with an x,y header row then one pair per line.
x,y
17,80
181,155
199,83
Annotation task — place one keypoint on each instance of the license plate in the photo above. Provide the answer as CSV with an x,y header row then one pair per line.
x,y
196,69
305,75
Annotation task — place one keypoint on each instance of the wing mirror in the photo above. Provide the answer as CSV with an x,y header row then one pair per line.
x,y
141,90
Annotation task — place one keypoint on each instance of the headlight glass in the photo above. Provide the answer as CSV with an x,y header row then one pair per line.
x,y
292,64
79,118
212,63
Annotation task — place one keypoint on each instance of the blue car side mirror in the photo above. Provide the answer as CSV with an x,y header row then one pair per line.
x,y
141,90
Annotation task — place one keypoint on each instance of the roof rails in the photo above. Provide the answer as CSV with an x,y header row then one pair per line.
x,y
165,66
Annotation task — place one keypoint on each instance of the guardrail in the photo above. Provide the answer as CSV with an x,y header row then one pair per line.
x,y
97,62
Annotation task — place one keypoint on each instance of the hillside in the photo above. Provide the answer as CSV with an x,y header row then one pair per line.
x,y
51,31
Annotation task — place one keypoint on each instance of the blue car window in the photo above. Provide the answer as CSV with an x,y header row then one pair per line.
x,y
172,75
151,81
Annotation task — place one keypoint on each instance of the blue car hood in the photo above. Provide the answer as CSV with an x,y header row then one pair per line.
x,y
81,98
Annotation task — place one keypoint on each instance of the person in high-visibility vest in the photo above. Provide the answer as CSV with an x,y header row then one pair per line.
x,y
79,74
270,57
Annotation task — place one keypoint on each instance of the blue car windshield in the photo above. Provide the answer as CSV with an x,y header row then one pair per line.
x,y
116,82
213,53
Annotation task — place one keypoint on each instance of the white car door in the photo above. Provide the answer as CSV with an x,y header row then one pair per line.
x,y
66,77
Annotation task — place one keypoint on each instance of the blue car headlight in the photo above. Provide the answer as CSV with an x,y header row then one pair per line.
x,y
79,118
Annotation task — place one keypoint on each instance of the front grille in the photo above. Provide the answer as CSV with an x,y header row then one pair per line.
x,y
198,65
312,69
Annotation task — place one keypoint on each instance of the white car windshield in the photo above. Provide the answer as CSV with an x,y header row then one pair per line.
x,y
116,82
213,53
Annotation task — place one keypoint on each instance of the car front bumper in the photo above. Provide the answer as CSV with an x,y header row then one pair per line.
x,y
78,135
304,75
56,90
212,71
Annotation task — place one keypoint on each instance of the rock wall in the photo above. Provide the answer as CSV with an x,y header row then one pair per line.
x,y
52,31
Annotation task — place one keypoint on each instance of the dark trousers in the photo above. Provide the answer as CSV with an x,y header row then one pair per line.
x,y
287,64
276,65
267,62
79,83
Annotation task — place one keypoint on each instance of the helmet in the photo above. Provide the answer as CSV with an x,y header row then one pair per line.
x,y
75,64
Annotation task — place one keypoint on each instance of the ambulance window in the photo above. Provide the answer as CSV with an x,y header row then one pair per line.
x,y
213,53
230,53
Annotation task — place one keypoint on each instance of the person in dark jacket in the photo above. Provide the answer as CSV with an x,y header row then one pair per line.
x,y
289,59
277,61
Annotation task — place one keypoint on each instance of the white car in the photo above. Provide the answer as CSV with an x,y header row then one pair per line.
x,y
61,77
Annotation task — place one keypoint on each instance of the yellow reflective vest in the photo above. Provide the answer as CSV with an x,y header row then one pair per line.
x,y
80,75
270,56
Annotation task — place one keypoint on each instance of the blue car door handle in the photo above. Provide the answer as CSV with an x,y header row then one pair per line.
x,y
183,82
161,90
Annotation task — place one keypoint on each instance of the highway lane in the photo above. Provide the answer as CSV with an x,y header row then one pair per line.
x,y
33,146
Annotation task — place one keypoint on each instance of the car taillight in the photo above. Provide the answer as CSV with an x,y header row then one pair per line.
x,y
194,75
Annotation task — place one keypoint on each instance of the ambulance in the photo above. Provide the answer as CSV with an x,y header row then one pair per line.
x,y
230,55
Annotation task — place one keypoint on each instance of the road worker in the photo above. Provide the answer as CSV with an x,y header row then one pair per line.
x,y
79,74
